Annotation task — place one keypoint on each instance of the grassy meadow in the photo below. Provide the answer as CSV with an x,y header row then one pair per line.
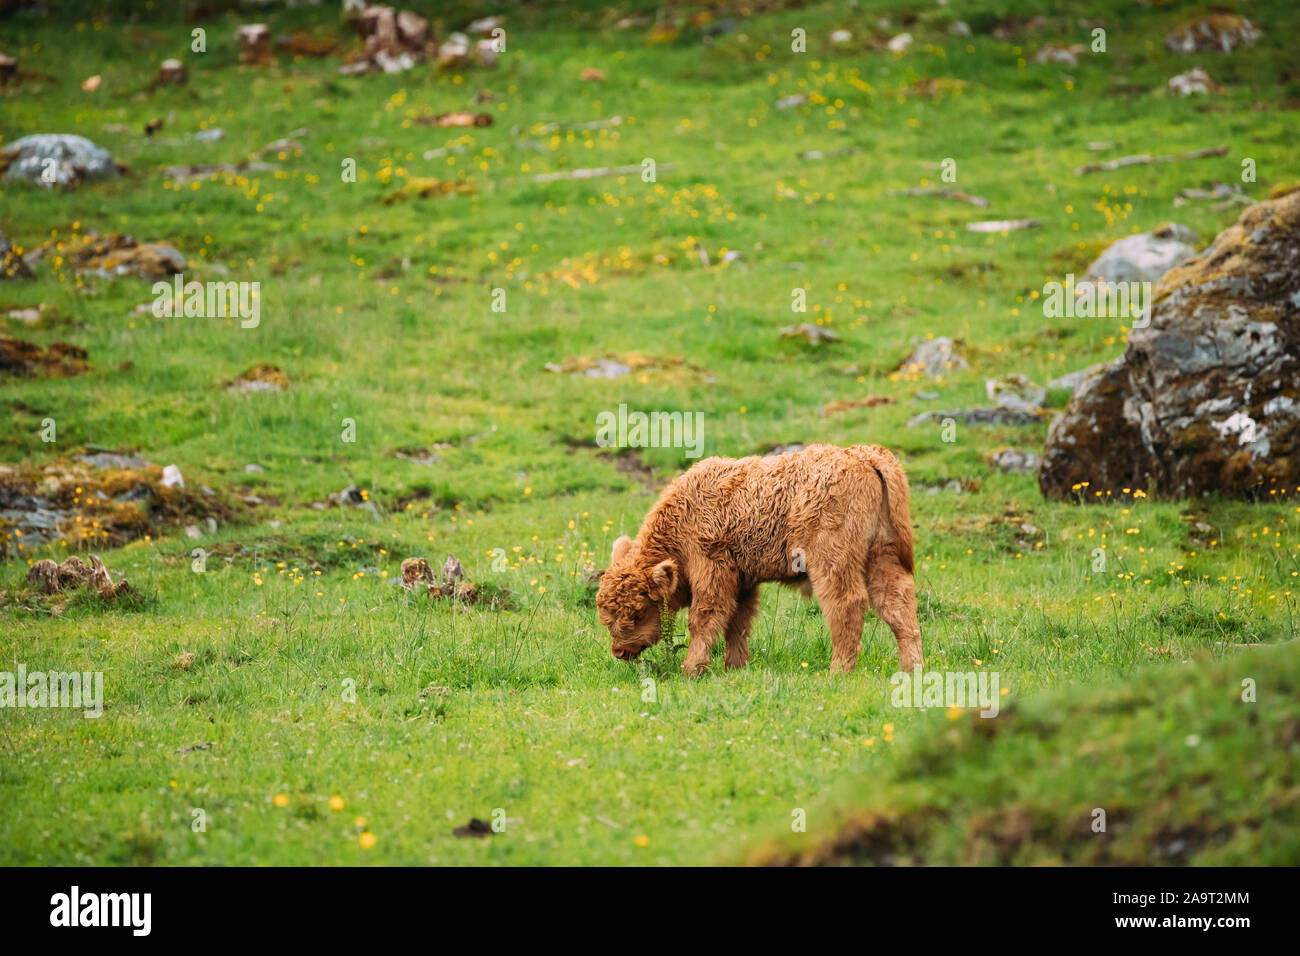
x,y
344,721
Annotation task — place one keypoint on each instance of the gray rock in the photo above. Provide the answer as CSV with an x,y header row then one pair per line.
x,y
109,459
783,449
1073,380
1015,392
607,368
1014,461
349,496
1144,257
1206,397
37,518
71,160
982,416
934,358
1192,82
813,334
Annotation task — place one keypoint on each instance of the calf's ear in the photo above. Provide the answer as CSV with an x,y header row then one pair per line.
x,y
663,580
620,549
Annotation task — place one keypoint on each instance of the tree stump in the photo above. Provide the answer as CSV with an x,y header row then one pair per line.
x,y
8,68
172,73
254,42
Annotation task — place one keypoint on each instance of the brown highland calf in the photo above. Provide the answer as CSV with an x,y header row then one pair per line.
x,y
833,520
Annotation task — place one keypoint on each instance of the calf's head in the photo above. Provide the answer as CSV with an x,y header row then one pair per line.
x,y
630,597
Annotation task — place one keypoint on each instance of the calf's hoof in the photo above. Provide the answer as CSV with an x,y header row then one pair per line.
x,y
910,659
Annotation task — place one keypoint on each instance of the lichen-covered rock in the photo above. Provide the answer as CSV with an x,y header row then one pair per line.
x,y
118,255
1216,33
115,254
1207,397
55,159
22,359
12,265
933,358
1014,461
260,378
1015,392
1192,82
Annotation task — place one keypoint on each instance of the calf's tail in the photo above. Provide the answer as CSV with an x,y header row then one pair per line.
x,y
895,501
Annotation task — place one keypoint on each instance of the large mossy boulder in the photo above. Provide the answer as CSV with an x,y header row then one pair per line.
x,y
1207,396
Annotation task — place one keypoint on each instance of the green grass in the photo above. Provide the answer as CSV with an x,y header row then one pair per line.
x,y
1185,765
382,314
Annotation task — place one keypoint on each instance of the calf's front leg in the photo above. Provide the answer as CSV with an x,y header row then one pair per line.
x,y
713,603
736,653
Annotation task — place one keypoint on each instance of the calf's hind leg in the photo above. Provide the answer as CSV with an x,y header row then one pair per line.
x,y
844,599
893,598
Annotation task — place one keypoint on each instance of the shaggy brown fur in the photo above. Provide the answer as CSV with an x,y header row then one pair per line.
x,y
833,520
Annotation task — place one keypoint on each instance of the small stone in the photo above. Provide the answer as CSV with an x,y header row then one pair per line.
x,y
1192,82
813,334
1015,391
934,358
69,159
1014,461
1144,257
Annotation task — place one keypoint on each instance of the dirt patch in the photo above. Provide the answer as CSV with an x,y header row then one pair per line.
x,y
632,465
867,839
848,404
646,368
456,119
302,43
426,187
259,378
22,359
475,828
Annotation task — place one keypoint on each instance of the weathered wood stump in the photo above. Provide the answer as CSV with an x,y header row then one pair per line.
x,y
254,42
172,73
